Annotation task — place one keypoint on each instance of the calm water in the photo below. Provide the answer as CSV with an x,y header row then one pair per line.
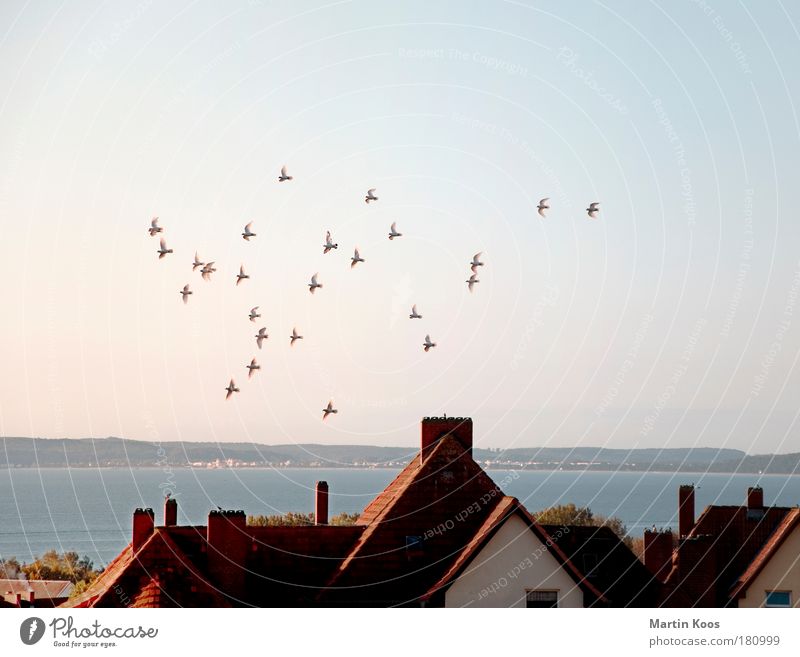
x,y
89,511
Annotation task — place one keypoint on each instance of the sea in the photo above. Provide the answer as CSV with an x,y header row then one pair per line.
x,y
89,510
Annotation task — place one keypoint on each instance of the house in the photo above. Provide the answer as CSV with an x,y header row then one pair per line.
x,y
441,534
34,592
608,564
731,556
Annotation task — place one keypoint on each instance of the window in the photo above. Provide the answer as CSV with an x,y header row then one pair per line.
x,y
778,599
590,565
541,599
414,546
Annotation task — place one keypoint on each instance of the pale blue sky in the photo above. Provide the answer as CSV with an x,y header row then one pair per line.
x,y
673,319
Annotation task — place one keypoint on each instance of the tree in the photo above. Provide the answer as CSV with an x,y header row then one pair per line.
x,y
52,565
293,519
345,519
10,568
637,547
566,514
67,566
570,514
290,519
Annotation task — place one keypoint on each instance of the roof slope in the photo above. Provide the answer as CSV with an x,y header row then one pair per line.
x,y
287,566
415,529
42,589
789,523
506,507
283,566
723,543
608,564
159,574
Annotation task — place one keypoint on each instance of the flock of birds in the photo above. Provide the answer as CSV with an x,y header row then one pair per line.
x,y
207,269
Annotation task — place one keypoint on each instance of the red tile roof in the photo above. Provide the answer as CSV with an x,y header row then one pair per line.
x,y
104,581
723,544
130,579
42,588
789,523
407,546
46,592
443,501
491,524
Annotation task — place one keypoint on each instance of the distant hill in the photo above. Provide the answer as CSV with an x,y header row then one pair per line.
x,y
46,452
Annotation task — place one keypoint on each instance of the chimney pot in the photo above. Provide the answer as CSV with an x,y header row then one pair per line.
x,y
31,597
685,510
755,498
143,522
321,503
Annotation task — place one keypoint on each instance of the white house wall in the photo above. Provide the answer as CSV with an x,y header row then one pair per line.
x,y
511,562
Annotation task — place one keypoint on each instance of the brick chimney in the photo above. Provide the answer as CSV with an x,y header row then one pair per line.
x,y
685,510
228,543
31,598
658,553
143,522
18,600
170,512
434,428
321,504
755,498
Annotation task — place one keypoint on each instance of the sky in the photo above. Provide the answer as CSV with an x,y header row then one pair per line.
x,y
670,320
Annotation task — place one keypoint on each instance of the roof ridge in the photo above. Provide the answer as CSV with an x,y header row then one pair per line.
x,y
773,543
98,587
374,508
411,472
504,507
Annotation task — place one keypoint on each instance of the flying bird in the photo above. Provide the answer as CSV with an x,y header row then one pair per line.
x,y
414,314
254,314
356,258
252,367
163,250
284,175
185,292
313,285
154,227
328,410
231,389
294,336
428,344
241,275
475,262
207,270
592,210
393,232
247,234
544,204
471,281
261,336
197,262
370,195
329,243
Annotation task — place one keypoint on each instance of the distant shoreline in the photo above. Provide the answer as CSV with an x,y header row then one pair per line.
x,y
500,468
68,453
